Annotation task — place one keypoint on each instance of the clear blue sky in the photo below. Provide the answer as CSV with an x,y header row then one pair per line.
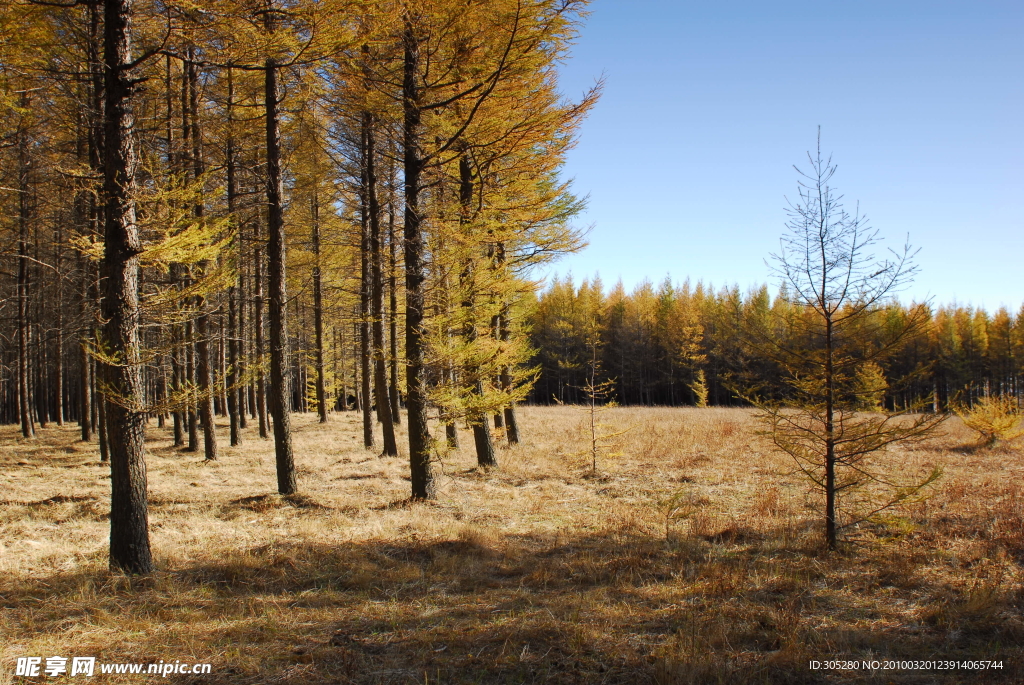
x,y
707,105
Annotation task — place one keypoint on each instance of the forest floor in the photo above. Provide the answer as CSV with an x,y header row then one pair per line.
x,y
536,571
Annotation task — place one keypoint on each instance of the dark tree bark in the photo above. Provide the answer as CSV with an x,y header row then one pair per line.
x,y
339,356
129,523
481,427
177,380
422,476
85,381
24,395
258,325
280,380
58,373
377,295
101,422
235,412
204,367
190,377
365,287
318,312
511,421
234,393
206,386
393,394
241,340
356,386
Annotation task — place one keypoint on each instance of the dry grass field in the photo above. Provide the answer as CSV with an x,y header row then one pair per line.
x,y
535,572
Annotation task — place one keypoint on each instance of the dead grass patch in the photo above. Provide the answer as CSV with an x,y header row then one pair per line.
x,y
533,572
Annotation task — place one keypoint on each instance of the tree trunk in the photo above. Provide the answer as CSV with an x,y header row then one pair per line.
x,y
393,394
511,421
258,324
365,286
318,312
241,340
177,380
481,427
421,473
339,355
235,412
60,408
236,309
85,379
101,422
377,296
190,379
830,440
27,426
129,523
280,380
204,366
206,389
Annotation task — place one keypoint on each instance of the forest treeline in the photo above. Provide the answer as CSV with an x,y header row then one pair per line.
x,y
684,344
254,207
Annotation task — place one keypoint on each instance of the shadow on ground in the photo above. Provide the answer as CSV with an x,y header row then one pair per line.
x,y
613,607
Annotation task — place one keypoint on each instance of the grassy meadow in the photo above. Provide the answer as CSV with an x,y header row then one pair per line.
x,y
538,571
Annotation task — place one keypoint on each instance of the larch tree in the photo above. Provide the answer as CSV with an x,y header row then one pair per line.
x,y
126,417
832,276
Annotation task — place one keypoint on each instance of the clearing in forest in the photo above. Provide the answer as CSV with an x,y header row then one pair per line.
x,y
537,571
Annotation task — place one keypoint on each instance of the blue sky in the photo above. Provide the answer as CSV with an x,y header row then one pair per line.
x,y
707,106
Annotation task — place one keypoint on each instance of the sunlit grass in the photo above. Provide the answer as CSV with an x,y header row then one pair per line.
x,y
537,571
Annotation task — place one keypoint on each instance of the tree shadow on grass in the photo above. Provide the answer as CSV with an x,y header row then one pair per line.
x,y
616,606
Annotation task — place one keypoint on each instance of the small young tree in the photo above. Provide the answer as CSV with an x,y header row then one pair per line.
x,y
597,394
838,287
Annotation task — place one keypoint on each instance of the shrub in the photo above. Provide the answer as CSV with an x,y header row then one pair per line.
x,y
996,417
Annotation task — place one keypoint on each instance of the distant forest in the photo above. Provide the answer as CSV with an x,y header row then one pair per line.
x,y
655,342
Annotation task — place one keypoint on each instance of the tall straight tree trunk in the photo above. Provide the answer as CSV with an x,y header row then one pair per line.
x,y
40,387
421,474
161,390
85,381
177,379
204,367
481,427
206,385
101,422
190,379
356,386
365,287
60,409
377,295
396,414
234,394
318,312
190,333
24,398
339,355
280,381
242,335
235,412
129,522
511,421
222,366
258,325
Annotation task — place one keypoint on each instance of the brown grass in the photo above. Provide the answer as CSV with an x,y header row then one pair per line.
x,y
534,572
